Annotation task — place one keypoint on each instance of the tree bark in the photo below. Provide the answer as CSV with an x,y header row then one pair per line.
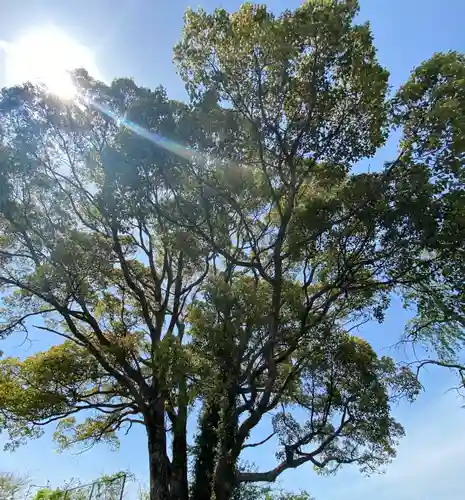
x,y
225,473
225,479
178,480
207,442
158,459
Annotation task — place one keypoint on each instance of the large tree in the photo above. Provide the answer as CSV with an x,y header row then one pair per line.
x,y
213,260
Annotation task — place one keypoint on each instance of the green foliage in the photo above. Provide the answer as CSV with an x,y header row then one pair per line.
x,y
289,496
47,494
300,76
254,492
429,107
106,487
221,254
50,386
11,486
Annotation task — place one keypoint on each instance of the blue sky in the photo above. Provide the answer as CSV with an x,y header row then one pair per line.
x,y
134,38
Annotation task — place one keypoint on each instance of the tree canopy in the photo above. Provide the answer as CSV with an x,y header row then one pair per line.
x,y
214,259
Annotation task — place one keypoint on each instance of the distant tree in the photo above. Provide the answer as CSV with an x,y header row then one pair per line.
x,y
11,486
289,496
221,254
105,487
253,492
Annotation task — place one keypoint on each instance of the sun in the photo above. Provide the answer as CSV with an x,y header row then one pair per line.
x,y
47,55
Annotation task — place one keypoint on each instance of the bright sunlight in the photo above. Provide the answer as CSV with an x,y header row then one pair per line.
x,y
46,55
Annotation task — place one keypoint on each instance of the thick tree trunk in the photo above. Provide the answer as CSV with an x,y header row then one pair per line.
x,y
178,480
158,459
225,480
225,473
206,448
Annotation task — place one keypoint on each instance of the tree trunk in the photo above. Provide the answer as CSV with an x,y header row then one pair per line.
x,y
225,480
225,473
158,459
178,480
205,453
